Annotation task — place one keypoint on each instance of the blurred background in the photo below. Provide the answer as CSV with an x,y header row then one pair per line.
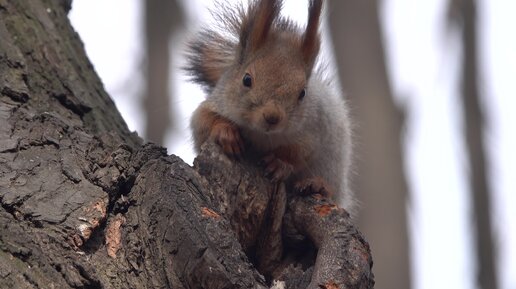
x,y
432,89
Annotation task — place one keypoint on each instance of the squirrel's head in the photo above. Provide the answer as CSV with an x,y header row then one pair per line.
x,y
266,88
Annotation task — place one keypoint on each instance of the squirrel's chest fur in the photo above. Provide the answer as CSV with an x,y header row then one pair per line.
x,y
262,142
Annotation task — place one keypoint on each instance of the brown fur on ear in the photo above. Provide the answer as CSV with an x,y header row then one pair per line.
x,y
311,39
257,24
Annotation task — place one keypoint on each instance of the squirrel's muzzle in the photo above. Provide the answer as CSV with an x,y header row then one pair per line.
x,y
272,117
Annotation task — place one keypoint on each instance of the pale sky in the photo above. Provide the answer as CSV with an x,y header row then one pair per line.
x,y
423,60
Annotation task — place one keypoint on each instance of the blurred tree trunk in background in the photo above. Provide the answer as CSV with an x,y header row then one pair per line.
x,y
380,182
462,14
162,17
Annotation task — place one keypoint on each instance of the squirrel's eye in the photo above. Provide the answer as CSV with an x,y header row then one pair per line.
x,y
248,80
302,94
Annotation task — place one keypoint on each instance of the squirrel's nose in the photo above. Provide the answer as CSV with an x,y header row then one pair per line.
x,y
272,119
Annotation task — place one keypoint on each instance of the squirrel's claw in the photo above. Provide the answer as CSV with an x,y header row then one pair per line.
x,y
311,186
276,169
228,137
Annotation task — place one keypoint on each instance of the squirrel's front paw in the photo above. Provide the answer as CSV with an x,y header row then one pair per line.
x,y
315,185
277,169
228,137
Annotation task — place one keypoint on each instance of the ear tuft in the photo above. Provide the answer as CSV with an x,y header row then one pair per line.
x,y
257,24
311,38
208,56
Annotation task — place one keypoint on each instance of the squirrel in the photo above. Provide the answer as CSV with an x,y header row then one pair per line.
x,y
265,94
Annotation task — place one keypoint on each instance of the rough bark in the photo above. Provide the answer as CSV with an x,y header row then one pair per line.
x,y
380,182
85,205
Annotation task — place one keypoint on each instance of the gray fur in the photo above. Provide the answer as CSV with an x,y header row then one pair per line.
x,y
319,123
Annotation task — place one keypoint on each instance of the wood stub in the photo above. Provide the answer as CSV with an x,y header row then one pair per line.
x,y
344,257
276,228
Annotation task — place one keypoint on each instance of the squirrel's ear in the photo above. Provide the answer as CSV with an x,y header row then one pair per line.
x,y
311,39
257,24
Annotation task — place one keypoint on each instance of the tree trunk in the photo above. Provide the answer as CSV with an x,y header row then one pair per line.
x,y
463,14
162,18
85,205
380,181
